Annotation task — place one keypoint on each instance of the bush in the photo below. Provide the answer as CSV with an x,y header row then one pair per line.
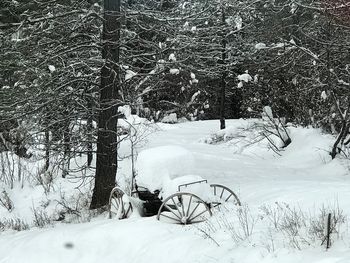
x,y
299,228
277,226
5,201
14,224
41,218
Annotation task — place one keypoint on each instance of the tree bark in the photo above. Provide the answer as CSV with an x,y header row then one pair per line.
x,y
47,150
223,74
67,148
90,128
106,161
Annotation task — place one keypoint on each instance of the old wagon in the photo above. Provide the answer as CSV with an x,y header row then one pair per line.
x,y
185,199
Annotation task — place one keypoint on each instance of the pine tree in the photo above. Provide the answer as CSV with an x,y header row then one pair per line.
x,y
106,162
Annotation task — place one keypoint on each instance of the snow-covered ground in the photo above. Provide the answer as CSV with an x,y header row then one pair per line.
x,y
275,191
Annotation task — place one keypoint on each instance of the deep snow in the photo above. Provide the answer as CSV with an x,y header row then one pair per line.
x,y
303,177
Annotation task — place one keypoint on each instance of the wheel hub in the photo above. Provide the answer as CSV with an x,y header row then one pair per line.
x,y
184,220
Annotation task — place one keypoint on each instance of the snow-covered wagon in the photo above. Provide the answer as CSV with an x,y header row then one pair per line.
x,y
165,187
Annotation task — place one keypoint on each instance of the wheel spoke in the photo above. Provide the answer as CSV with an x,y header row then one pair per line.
x,y
194,210
171,210
177,207
116,199
175,219
129,209
228,198
198,221
222,192
123,209
183,208
115,204
201,213
189,205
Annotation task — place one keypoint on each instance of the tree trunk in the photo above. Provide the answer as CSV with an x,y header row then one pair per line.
x,y
47,150
67,148
89,130
223,75
106,161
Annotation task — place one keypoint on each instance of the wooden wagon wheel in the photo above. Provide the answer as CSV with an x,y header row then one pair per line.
x,y
117,206
184,208
224,194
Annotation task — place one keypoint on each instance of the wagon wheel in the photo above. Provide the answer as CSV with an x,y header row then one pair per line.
x,y
224,194
184,208
118,207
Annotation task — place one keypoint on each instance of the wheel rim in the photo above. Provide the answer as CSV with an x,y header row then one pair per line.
x,y
118,208
184,208
224,194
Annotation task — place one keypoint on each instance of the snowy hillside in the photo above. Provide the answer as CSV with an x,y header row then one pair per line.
x,y
285,199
